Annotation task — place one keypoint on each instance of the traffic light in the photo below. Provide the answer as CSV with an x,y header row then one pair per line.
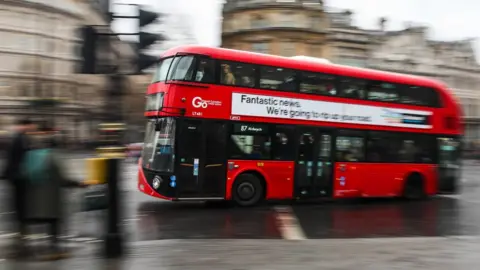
x,y
88,60
145,39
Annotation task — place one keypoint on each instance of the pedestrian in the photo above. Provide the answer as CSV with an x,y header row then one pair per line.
x,y
15,154
45,178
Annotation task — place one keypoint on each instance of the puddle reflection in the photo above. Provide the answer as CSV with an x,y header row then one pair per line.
x,y
390,218
196,221
380,218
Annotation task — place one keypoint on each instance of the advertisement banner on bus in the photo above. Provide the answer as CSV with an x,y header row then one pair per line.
x,y
312,110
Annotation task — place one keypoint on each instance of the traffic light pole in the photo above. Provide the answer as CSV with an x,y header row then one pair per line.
x,y
113,238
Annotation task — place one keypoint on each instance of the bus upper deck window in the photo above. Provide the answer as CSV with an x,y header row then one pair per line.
x,y
238,74
205,71
228,77
182,68
192,68
162,70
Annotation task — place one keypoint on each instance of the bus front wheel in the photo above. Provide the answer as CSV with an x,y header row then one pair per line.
x,y
247,190
414,188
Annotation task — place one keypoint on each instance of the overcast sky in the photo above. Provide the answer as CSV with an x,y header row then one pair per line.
x,y
447,21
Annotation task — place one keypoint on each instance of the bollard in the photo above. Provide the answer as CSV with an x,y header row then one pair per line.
x,y
113,238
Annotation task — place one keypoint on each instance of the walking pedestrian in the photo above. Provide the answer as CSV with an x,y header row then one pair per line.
x,y
45,178
16,151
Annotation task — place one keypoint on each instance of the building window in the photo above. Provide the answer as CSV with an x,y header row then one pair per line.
x,y
348,61
287,49
258,22
315,50
287,19
315,22
227,25
260,47
4,87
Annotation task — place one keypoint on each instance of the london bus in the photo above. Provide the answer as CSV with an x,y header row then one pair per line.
x,y
232,125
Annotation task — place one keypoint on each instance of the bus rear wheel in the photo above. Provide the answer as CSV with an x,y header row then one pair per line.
x,y
247,190
414,188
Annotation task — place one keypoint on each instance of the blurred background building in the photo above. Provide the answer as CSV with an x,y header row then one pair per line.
x,y
350,45
39,55
285,28
38,61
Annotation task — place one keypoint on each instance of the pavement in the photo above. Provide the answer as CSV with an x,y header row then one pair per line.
x,y
439,233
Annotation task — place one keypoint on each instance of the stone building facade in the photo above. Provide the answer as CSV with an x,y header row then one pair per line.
x,y
349,44
288,28
39,56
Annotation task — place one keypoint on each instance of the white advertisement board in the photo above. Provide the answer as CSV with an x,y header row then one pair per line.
x,y
304,109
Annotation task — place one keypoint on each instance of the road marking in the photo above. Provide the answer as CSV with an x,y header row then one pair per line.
x,y
8,235
94,241
288,224
131,219
68,238
449,196
84,239
37,236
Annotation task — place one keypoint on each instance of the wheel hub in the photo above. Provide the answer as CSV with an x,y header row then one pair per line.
x,y
246,191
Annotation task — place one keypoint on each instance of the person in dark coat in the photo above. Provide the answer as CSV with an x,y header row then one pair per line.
x,y
14,157
44,196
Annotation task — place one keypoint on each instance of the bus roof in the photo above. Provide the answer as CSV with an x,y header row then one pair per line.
x,y
315,66
286,62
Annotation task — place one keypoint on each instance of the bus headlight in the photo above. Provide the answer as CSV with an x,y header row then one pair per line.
x,y
156,182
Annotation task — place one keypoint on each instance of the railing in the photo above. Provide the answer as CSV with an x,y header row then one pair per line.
x,y
232,5
294,25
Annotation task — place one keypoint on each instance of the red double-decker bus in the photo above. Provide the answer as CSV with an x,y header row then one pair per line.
x,y
233,125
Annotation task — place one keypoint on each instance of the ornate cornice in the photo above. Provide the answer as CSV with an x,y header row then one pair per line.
x,y
41,7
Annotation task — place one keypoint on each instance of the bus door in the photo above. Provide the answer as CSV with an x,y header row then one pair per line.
x,y
448,165
200,159
215,165
313,168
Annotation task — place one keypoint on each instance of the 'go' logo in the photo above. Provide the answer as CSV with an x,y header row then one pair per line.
x,y
198,102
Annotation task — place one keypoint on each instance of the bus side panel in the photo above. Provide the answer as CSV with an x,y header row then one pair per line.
x,y
383,180
380,179
278,176
347,179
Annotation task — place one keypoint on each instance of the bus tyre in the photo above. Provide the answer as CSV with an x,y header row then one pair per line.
x,y
247,190
414,188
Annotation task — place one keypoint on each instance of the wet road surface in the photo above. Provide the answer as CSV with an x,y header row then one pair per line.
x,y
439,233
147,218
455,215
